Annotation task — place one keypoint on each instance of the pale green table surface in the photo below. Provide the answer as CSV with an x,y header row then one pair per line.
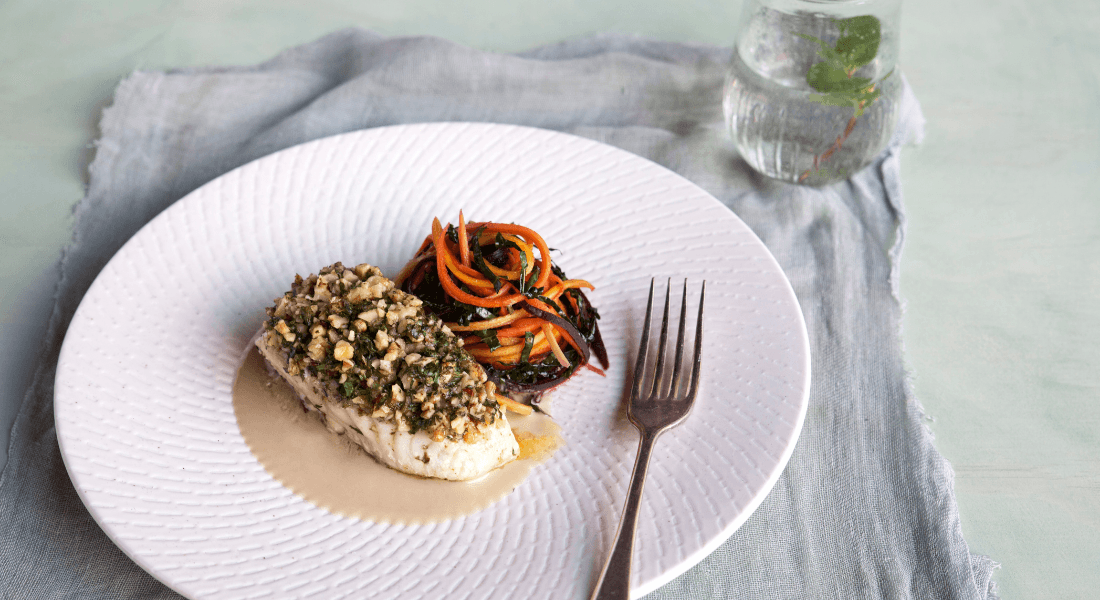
x,y
1003,198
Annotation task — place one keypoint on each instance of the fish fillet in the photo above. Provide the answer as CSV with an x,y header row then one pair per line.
x,y
376,368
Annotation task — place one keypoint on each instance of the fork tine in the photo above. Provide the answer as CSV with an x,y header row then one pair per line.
x,y
659,370
643,348
698,346
675,387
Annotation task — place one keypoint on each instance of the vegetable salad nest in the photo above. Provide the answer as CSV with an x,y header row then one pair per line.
x,y
374,348
529,325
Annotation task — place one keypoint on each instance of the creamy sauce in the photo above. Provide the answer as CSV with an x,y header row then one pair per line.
x,y
333,473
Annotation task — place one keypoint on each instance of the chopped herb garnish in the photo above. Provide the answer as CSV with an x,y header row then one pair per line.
x,y
530,282
503,243
528,343
489,337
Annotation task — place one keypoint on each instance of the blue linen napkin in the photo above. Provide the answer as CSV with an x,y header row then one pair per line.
x,y
865,508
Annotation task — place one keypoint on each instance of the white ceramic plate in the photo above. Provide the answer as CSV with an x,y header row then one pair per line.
x,y
143,404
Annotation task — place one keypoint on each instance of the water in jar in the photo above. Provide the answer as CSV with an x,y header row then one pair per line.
x,y
777,126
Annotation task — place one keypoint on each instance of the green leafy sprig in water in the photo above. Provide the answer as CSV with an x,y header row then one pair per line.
x,y
834,77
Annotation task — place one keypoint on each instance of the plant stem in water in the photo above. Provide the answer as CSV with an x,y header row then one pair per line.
x,y
820,158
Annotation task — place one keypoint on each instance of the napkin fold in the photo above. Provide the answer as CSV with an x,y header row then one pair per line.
x,y
865,508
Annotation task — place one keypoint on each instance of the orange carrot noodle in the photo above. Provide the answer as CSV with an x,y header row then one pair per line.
x,y
489,324
463,243
451,288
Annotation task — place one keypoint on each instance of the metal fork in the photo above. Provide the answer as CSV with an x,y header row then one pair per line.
x,y
652,411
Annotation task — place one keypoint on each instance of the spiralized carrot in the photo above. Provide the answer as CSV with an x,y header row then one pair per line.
x,y
551,338
507,336
443,264
463,242
491,323
512,405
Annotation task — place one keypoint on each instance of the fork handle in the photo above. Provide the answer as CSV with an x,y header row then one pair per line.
x,y
614,582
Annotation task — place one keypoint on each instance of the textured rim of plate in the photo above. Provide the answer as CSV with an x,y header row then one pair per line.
x,y
142,401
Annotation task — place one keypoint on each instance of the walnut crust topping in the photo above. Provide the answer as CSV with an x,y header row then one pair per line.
x,y
373,348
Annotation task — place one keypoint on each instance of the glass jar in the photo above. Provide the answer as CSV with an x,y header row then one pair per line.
x,y
812,91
